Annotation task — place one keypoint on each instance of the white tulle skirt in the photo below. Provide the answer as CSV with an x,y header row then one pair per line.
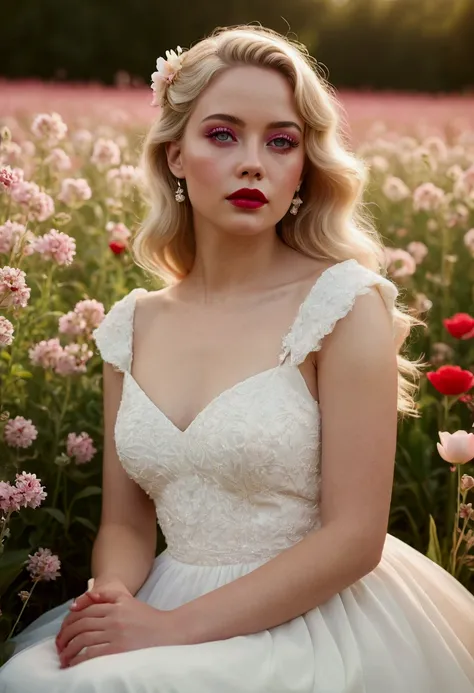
x,y
407,627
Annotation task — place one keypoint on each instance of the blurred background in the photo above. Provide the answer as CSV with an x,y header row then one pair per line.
x,y
415,45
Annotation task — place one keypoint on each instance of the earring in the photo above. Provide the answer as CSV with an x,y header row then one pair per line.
x,y
296,201
179,194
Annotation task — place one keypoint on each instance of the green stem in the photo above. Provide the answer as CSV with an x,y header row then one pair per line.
x,y
22,610
456,543
57,436
5,521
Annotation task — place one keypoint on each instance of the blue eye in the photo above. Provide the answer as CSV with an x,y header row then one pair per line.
x,y
215,132
286,141
221,139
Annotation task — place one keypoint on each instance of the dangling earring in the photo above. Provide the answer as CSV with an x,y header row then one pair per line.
x,y
179,194
296,202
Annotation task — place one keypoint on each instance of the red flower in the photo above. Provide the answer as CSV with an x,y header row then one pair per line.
x,y
117,247
451,380
460,326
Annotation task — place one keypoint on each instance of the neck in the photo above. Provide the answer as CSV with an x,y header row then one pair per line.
x,y
227,266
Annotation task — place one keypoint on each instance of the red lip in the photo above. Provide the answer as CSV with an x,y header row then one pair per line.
x,y
248,194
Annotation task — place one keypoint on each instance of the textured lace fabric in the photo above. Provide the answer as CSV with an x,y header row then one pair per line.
x,y
242,482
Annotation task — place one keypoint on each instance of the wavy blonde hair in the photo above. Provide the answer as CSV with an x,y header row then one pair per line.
x,y
333,223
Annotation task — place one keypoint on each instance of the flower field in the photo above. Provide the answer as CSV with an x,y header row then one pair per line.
x,y
70,201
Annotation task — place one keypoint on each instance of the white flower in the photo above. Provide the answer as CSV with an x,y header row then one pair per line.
x,y
166,71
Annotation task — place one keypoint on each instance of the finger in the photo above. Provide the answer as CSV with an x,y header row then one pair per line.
x,y
79,642
92,652
84,625
86,599
96,613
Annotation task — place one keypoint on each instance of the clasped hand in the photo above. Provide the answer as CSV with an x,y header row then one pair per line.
x,y
108,620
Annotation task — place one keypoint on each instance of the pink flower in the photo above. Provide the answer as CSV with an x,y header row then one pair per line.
x,y
91,311
43,565
20,432
41,207
124,179
73,359
395,189
165,74
6,332
82,140
74,192
11,153
106,153
86,316
72,324
466,511
427,197
46,353
456,448
13,289
56,245
418,250
58,160
118,232
30,490
467,482
50,128
11,236
10,498
24,192
400,263
6,178
81,447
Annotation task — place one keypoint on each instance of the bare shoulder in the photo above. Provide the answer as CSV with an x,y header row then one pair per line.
x,y
148,304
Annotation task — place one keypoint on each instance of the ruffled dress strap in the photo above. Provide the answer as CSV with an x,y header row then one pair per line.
x,y
331,298
114,336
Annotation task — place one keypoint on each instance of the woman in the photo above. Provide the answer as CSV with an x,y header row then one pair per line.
x,y
252,404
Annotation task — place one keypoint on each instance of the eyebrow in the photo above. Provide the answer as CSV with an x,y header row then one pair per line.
x,y
238,121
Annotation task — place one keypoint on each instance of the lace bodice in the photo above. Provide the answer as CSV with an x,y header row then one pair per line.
x,y
242,482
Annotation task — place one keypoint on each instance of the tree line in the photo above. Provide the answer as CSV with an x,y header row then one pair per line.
x,y
422,45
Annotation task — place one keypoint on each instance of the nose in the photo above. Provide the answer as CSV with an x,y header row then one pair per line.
x,y
251,164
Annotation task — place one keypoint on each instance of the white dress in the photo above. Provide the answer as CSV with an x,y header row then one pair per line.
x,y
238,486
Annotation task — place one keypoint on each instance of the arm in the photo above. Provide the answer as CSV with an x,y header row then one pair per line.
x,y
357,377
125,547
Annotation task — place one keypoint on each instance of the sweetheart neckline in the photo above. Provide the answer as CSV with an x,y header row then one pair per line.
x,y
306,394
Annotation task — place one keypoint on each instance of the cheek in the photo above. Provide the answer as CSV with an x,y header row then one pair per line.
x,y
203,167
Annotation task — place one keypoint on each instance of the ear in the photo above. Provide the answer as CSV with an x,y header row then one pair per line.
x,y
173,155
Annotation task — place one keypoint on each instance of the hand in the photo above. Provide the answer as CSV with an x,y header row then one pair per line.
x,y
94,594
118,623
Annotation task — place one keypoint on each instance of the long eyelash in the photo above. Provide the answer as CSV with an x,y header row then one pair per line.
x,y
216,130
290,140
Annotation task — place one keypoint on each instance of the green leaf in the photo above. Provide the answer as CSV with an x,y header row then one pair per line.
x,y
57,514
86,493
434,549
21,373
11,565
87,523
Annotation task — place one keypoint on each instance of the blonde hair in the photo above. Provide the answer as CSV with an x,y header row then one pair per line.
x,y
331,225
